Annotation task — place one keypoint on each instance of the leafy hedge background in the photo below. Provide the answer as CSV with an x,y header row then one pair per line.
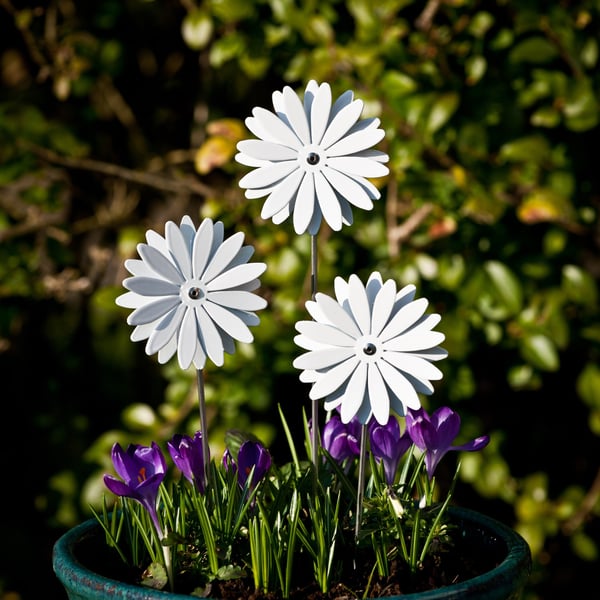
x,y
118,115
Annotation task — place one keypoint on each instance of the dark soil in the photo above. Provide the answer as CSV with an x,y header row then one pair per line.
x,y
465,561
439,571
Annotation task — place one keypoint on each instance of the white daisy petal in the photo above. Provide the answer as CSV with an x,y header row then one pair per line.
x,y
325,334
282,194
250,161
378,394
335,314
265,151
153,310
252,194
165,330
237,275
131,300
341,124
355,142
359,304
264,176
167,352
157,241
221,259
199,359
399,385
229,322
245,253
304,207
342,101
406,295
328,202
357,166
278,130
435,354
211,339
348,188
405,318
417,367
188,338
238,299
333,379
315,221
160,264
150,286
415,340
179,249
294,111
144,331
139,268
319,113
354,394
383,306
202,247
322,359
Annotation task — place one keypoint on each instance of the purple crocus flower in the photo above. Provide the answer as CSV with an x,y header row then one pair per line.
x,y
341,440
142,470
252,455
388,446
187,454
434,434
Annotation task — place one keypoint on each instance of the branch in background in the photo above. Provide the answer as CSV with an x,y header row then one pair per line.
x,y
166,184
586,508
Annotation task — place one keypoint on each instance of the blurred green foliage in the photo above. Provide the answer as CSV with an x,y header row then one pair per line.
x,y
117,116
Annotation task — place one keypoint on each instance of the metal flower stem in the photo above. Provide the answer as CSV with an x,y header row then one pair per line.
x,y
315,403
203,424
362,459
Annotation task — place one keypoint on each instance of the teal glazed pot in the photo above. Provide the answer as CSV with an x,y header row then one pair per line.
x,y
76,552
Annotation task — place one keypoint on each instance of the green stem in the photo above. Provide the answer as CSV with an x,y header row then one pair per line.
x,y
203,425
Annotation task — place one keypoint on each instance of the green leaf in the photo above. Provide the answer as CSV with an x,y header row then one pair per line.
x,y
396,84
540,351
588,385
441,111
226,48
197,29
535,49
155,577
506,286
533,148
579,286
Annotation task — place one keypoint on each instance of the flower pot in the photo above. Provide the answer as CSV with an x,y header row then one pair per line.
x,y
78,557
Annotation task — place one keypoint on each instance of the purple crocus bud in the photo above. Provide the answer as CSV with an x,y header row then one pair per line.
x,y
187,454
434,434
252,455
142,470
228,462
388,446
341,440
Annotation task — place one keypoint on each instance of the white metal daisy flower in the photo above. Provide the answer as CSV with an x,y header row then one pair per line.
x,y
192,293
369,351
312,158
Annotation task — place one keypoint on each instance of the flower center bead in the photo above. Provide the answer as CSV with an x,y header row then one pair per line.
x,y
370,349
195,293
312,158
